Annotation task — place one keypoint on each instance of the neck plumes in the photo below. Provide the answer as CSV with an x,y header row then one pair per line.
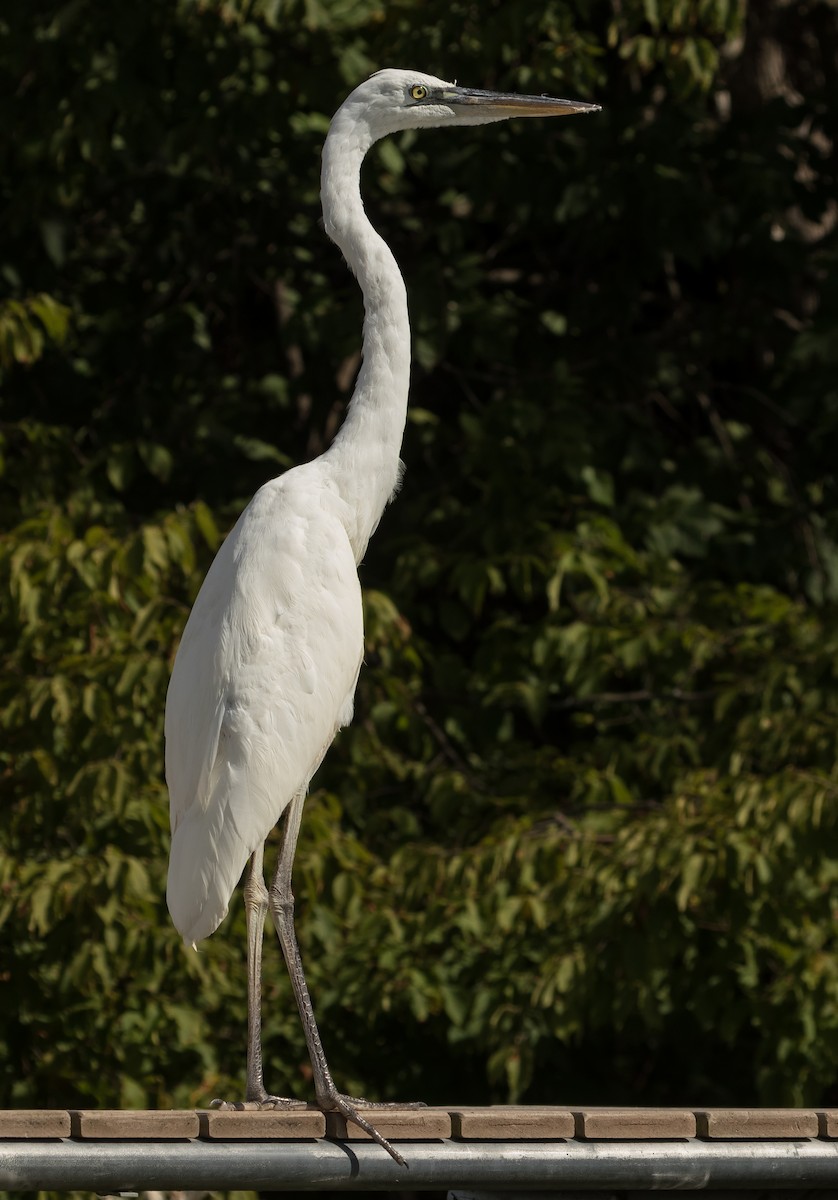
x,y
364,457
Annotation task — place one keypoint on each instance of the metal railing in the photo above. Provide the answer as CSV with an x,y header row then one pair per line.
x,y
469,1167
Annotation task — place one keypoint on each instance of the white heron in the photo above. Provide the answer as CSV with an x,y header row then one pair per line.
x,y
266,671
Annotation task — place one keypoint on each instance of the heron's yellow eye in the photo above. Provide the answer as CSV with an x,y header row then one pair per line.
x,y
418,91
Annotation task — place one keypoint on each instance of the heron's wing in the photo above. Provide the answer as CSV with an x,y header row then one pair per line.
x,y
195,699
263,679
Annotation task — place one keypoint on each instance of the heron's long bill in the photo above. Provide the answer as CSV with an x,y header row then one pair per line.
x,y
512,105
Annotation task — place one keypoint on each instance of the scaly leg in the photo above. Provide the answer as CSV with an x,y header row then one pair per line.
x,y
281,903
256,907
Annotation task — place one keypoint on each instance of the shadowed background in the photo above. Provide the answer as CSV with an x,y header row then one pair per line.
x,y
579,844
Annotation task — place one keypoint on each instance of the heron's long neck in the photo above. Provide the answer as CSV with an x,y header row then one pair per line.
x,y
364,457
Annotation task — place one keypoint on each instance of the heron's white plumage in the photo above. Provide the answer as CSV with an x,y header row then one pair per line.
x,y
263,679
269,660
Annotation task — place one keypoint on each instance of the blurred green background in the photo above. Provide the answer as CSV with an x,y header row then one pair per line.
x,y
579,844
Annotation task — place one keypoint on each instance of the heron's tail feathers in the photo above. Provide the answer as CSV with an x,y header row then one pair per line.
x,y
205,864
211,844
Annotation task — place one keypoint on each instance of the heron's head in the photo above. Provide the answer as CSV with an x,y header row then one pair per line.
x,y
392,100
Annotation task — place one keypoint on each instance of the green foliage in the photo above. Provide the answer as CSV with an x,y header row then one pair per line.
x,y
27,325
583,827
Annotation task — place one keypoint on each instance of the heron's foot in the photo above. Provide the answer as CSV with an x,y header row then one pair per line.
x,y
348,1107
254,1105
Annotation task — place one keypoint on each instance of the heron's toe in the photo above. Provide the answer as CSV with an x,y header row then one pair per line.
x,y
359,1102
282,1102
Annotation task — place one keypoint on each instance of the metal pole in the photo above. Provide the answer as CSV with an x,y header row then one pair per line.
x,y
439,1166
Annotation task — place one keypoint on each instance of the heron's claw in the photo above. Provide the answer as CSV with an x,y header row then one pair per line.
x,y
348,1107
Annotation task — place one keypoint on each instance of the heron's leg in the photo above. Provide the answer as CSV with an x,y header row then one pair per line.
x,y
281,901
256,907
